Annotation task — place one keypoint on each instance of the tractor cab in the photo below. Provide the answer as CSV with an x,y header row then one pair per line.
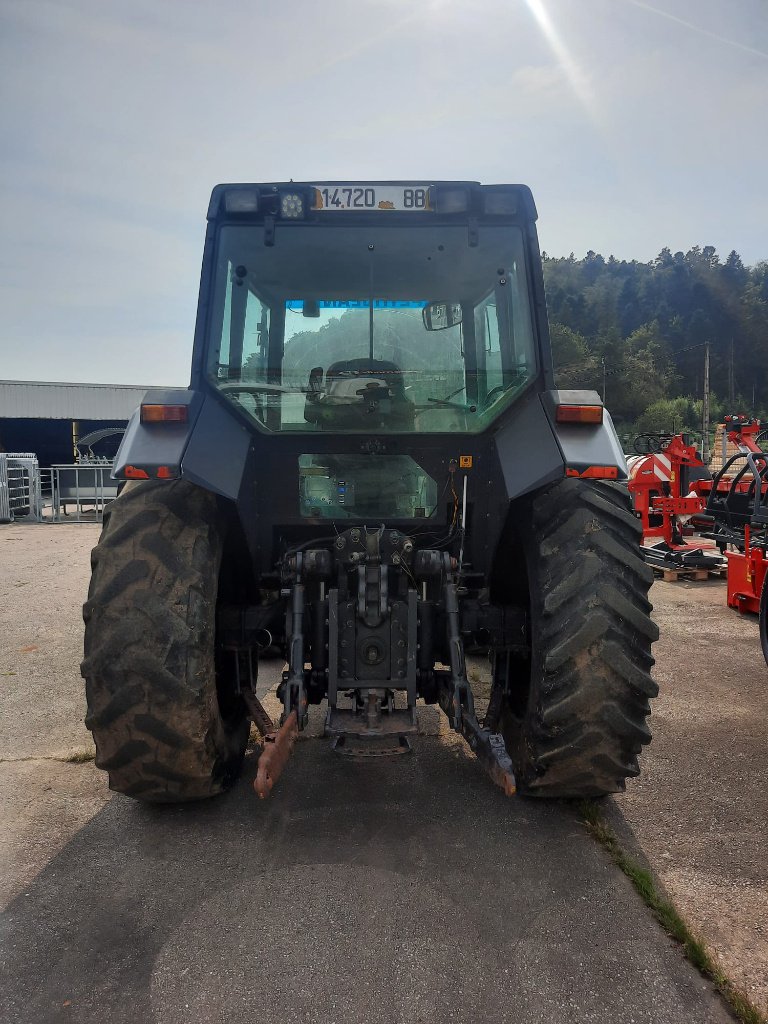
x,y
393,309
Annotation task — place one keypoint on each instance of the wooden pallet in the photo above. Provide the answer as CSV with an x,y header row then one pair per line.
x,y
696,575
718,574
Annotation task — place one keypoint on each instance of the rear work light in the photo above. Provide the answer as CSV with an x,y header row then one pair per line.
x,y
292,205
164,413
450,200
499,202
241,200
579,414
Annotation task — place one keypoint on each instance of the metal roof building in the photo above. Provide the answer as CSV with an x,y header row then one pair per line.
x,y
23,399
48,418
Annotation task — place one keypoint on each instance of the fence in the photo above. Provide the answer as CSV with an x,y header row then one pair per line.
x,y
20,493
78,493
73,493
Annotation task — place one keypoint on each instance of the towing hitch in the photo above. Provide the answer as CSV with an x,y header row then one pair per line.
x,y
360,622
277,749
242,634
458,703
278,743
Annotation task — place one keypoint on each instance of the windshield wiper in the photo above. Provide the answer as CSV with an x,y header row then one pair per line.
x,y
501,389
445,404
254,386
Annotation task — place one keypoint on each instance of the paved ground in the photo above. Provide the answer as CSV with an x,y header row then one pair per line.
x,y
406,892
700,807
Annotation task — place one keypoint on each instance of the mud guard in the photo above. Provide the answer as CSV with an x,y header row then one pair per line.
x,y
210,449
585,446
535,450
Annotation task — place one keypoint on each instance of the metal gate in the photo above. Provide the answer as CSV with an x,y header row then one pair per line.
x,y
20,496
80,492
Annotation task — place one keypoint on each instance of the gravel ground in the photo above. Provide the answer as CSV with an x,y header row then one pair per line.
x,y
698,811
44,801
44,573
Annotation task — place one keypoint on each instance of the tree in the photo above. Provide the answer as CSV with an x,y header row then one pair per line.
x,y
575,366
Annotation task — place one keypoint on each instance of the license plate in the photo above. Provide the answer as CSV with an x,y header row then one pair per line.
x,y
408,198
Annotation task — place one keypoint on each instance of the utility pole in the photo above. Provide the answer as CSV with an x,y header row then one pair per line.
x,y
705,408
603,380
731,387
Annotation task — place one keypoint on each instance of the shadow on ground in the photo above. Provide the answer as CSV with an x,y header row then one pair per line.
x,y
405,891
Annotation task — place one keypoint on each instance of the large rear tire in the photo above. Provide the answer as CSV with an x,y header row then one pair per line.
x,y
573,714
166,729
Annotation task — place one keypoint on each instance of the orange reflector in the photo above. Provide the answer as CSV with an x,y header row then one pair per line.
x,y
595,473
165,473
132,473
579,414
164,414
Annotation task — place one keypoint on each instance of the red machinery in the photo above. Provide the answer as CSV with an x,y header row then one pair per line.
x,y
674,495
664,486
738,502
658,484
747,571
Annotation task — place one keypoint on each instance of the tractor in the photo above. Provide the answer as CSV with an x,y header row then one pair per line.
x,y
371,472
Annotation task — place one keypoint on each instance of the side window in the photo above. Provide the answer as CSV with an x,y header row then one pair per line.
x,y
493,368
487,337
255,339
221,368
242,353
522,336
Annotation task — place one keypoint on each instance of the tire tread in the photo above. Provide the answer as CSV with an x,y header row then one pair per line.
x,y
585,722
148,660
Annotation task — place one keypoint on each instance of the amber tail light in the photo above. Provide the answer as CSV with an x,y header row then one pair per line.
x,y
164,413
579,414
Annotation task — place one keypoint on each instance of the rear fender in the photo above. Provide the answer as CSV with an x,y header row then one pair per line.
x,y
535,450
588,450
210,449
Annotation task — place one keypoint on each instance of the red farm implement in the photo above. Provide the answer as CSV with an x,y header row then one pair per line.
x,y
663,484
676,498
737,501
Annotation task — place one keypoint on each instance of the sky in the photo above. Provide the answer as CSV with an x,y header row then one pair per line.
x,y
637,125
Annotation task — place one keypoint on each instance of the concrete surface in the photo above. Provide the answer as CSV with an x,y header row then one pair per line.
x,y
411,891
700,807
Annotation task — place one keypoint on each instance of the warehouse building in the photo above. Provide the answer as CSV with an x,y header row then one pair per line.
x,y
47,419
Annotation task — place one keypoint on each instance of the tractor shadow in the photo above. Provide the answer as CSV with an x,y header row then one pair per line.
x,y
407,888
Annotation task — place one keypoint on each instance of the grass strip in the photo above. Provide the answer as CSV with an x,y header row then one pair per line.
x,y
668,917
80,756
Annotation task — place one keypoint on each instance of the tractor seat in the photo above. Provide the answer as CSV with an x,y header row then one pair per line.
x,y
359,394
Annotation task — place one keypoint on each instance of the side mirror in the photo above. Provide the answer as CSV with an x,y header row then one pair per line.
x,y
437,316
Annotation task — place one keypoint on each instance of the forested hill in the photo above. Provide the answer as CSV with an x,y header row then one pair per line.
x,y
650,322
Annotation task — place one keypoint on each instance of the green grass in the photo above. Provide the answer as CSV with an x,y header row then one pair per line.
x,y
668,917
80,756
